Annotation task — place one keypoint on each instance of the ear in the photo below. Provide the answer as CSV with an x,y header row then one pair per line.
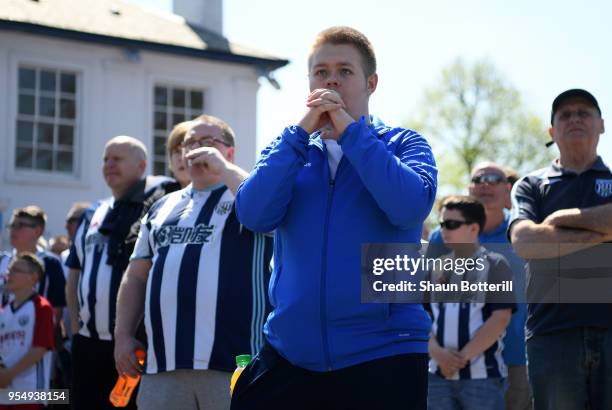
x,y
230,154
371,83
552,134
603,129
142,166
39,230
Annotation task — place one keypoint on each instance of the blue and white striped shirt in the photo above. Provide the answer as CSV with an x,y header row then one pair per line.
x,y
99,281
206,296
455,324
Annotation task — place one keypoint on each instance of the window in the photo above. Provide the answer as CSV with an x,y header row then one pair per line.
x,y
171,105
45,129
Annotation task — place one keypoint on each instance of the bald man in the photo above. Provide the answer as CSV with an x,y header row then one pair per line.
x,y
98,258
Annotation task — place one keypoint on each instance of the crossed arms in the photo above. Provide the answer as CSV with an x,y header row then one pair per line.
x,y
570,230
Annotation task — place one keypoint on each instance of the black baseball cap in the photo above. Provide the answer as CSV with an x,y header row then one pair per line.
x,y
573,93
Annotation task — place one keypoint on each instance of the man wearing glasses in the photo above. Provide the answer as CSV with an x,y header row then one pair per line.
x,y
200,280
489,184
26,226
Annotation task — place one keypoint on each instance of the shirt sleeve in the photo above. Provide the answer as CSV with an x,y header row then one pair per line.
x,y
143,248
77,248
499,273
435,245
263,198
43,325
410,172
524,203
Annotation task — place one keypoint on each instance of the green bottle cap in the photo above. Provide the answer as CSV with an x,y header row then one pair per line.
x,y
243,360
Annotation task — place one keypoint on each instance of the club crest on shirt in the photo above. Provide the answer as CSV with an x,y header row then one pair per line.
x,y
603,187
223,207
23,320
95,239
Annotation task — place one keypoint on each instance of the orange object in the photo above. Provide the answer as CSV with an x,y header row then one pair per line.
x,y
241,363
121,393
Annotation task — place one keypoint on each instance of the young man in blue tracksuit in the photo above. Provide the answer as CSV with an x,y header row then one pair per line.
x,y
327,185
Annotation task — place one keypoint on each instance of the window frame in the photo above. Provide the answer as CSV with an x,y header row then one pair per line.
x,y
15,175
171,82
37,119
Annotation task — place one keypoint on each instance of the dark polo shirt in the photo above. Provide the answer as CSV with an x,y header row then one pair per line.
x,y
538,195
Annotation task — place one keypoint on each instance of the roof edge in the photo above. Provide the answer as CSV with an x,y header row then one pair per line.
x,y
216,55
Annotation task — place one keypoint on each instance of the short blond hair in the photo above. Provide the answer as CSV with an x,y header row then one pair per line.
x,y
227,132
177,136
33,213
338,35
35,264
77,209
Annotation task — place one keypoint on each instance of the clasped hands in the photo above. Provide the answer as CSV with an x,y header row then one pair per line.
x,y
326,112
449,361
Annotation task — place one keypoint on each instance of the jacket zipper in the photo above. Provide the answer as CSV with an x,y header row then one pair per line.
x,y
330,194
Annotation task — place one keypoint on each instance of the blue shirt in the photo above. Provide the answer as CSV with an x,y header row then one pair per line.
x,y
514,341
538,195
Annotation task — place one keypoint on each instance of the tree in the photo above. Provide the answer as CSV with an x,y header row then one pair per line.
x,y
475,115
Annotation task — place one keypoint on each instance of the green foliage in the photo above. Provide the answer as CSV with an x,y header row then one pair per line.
x,y
475,115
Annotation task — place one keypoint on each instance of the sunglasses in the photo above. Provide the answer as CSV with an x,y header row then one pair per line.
x,y
452,224
19,225
488,179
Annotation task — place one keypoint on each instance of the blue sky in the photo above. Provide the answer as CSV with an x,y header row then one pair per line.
x,y
542,48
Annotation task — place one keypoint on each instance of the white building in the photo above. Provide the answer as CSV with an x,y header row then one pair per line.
x,y
75,73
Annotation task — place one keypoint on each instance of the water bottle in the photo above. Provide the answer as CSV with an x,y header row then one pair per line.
x,y
241,362
121,393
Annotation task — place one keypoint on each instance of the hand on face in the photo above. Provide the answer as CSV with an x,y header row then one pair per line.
x,y
208,158
326,112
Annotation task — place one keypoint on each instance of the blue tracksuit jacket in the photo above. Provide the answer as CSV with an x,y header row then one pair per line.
x,y
384,188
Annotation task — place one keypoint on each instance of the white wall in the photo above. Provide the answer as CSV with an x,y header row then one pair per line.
x,y
116,97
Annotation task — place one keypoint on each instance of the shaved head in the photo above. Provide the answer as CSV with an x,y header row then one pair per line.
x,y
490,166
124,163
137,148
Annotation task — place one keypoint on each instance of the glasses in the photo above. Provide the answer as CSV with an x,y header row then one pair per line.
x,y
203,142
73,220
452,224
488,179
19,225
